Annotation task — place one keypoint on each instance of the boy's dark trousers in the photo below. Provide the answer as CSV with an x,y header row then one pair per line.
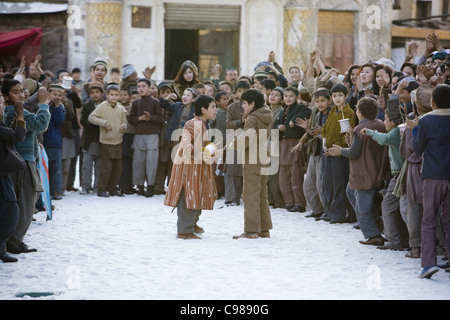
x,y
335,184
111,167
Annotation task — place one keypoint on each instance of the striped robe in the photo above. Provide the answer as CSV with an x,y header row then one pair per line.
x,y
191,172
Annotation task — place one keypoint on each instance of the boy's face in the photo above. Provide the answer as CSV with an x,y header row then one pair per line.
x,y
99,72
211,112
113,96
135,96
187,98
201,91
256,84
95,94
154,91
14,95
223,102
339,98
143,89
56,96
248,107
389,125
76,76
209,90
164,93
265,91
226,87
275,98
290,98
405,96
239,93
124,97
322,103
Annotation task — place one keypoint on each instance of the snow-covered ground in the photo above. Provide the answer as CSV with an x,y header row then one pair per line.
x,y
126,248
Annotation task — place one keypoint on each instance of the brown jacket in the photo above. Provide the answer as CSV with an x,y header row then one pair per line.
x,y
152,106
371,168
191,172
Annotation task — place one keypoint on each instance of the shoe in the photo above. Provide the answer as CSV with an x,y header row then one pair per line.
x,y
350,219
7,258
141,190
444,266
159,192
235,204
128,191
314,215
247,235
375,241
356,227
297,209
149,192
288,207
57,197
84,191
21,248
188,236
324,217
427,272
336,221
116,193
103,194
72,189
198,229
264,234
414,253
277,206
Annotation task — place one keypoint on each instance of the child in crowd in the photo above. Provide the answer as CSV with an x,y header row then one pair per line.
x,y
429,137
313,184
291,161
336,167
394,223
276,106
146,116
126,179
191,187
164,169
233,163
26,183
254,143
111,117
53,141
220,123
369,169
90,139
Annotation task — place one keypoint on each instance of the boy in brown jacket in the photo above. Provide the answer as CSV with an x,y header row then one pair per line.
x,y
369,168
253,142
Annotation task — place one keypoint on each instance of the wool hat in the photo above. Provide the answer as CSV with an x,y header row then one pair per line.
x,y
96,85
128,70
262,64
260,75
31,85
100,61
56,86
165,84
440,55
280,90
322,92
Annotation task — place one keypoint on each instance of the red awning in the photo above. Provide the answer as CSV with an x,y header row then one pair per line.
x,y
21,43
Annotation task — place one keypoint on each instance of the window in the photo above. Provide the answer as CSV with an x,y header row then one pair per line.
x,y
141,17
423,9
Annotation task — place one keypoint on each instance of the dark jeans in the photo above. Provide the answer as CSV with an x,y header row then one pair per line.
x,y
9,215
335,185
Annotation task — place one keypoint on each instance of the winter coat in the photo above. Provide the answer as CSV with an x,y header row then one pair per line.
x,y
191,172
53,136
116,116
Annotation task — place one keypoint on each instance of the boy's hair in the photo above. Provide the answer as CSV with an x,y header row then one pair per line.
x,y
440,96
292,89
75,70
198,86
368,108
115,70
112,87
254,95
339,87
268,84
202,101
147,81
219,94
8,84
241,84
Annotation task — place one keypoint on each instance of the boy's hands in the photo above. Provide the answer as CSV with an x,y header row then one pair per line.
x,y
108,126
18,108
123,127
172,96
298,147
42,96
145,117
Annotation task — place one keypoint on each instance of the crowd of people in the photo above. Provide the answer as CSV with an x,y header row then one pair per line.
x,y
366,145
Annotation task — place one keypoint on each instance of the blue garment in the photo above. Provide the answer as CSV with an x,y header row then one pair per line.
x,y
35,124
176,110
53,137
431,139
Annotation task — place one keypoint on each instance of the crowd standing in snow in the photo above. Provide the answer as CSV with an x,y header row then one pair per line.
x,y
366,145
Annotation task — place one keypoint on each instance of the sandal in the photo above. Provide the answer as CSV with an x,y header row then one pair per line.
x,y
414,253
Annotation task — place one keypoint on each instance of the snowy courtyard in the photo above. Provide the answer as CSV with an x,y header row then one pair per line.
x,y
126,248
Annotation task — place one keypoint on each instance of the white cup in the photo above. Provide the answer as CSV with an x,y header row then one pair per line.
x,y
345,124
67,82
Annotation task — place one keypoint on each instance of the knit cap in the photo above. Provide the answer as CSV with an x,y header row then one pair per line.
x,y
128,70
